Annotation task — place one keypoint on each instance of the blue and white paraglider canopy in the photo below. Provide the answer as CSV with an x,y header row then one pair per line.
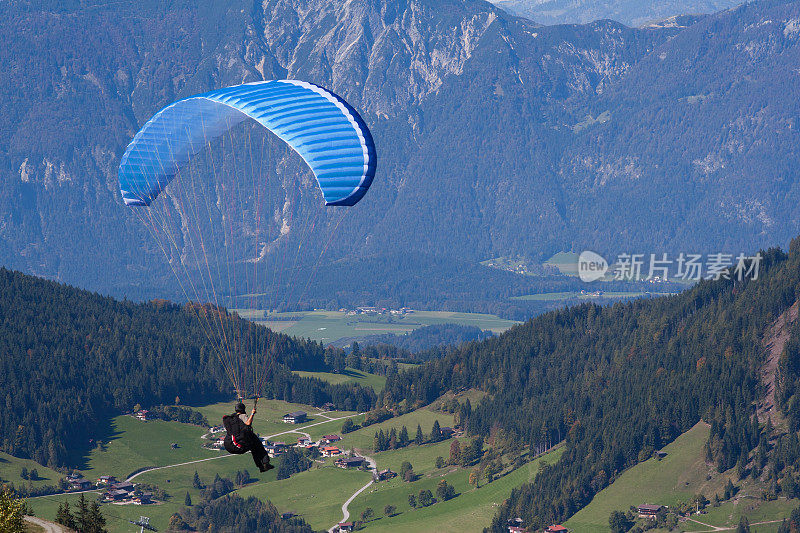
x,y
328,134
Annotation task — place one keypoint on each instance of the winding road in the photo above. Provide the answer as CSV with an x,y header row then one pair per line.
x,y
345,512
49,527
731,528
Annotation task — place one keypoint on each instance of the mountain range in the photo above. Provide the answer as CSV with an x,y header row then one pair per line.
x,y
630,12
496,136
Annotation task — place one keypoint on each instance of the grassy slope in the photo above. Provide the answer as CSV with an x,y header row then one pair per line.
x,y
135,444
471,510
678,477
317,494
350,376
363,438
10,468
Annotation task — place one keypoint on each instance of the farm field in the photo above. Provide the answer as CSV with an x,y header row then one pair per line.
x,y
678,477
350,375
330,326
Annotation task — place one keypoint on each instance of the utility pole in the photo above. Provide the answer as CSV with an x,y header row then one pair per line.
x,y
143,523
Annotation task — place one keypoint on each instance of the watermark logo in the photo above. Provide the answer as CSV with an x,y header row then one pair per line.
x,y
591,266
659,268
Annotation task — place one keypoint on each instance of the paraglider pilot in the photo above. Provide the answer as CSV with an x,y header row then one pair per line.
x,y
241,438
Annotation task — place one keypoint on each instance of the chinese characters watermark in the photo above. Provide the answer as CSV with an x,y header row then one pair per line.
x,y
662,267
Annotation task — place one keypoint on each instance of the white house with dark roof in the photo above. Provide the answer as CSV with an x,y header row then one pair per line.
x,y
298,417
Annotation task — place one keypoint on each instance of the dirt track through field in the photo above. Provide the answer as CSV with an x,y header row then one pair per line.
x,y
49,527
345,511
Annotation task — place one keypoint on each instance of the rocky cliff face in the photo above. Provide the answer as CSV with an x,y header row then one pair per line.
x,y
496,136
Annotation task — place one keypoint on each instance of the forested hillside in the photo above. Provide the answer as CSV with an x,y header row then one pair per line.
x,y
69,359
495,136
621,381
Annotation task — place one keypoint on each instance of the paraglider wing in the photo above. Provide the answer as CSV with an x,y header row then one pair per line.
x,y
327,133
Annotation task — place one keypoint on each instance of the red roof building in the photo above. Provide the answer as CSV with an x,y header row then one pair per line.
x,y
330,451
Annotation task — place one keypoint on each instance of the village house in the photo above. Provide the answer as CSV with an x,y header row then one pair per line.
x,y
116,495
298,417
515,525
385,474
274,449
330,451
144,498
345,526
106,480
304,442
350,462
142,415
328,406
649,511
122,485
80,484
330,439
556,528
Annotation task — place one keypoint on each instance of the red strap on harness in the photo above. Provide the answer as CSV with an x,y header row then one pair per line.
x,y
233,439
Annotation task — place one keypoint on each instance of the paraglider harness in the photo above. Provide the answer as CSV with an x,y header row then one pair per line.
x,y
236,437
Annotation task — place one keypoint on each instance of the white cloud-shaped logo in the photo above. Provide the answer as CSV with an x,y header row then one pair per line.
x,y
591,266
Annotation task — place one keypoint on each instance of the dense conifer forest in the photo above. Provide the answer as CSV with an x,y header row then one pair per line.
x,y
614,381
70,359
235,514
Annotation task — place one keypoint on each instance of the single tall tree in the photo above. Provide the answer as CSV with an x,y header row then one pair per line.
x,y
82,520
64,516
419,438
96,520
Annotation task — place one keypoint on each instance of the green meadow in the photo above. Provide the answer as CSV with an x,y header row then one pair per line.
x,y
678,477
349,376
330,326
317,494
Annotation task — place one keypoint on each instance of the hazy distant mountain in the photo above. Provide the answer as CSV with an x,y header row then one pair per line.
x,y
495,136
630,12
